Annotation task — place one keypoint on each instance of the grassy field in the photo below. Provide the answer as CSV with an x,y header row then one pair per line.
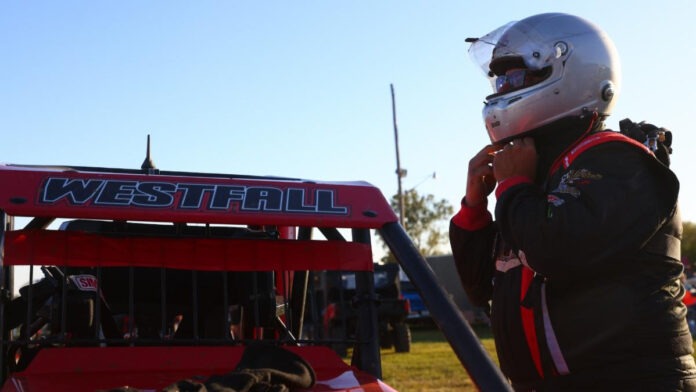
x,y
431,365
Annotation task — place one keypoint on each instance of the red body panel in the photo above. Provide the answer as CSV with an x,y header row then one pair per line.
x,y
153,368
95,195
77,249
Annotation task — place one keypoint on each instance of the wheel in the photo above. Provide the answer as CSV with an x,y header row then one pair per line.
x,y
402,338
386,337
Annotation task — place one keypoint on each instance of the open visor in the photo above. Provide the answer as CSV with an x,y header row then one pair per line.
x,y
481,49
514,43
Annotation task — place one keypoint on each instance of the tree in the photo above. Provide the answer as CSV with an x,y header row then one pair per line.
x,y
688,244
423,218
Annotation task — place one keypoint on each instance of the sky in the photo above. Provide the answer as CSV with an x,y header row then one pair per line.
x,y
301,88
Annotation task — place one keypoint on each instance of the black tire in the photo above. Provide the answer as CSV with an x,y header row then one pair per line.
x,y
386,337
402,338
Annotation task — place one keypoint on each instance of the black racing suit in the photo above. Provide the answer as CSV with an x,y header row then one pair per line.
x,y
582,271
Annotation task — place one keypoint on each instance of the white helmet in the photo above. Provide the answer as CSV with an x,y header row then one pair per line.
x,y
544,68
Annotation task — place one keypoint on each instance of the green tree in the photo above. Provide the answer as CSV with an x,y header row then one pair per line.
x,y
688,244
423,221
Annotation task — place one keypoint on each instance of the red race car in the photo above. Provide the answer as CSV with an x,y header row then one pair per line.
x,y
155,280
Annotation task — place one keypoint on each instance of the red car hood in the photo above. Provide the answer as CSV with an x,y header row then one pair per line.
x,y
153,368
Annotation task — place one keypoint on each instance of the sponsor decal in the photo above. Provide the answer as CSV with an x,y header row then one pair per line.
x,y
189,196
84,282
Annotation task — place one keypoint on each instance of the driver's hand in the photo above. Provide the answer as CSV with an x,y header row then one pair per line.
x,y
480,180
518,158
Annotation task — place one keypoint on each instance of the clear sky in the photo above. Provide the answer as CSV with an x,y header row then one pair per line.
x,y
301,88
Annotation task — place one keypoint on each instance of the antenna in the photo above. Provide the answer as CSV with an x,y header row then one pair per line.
x,y
400,173
147,165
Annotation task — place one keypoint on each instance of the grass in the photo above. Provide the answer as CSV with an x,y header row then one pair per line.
x,y
431,365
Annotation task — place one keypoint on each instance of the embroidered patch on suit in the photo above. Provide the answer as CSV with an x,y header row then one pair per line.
x,y
555,200
572,178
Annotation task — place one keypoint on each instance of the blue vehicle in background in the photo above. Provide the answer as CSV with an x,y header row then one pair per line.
x,y
418,310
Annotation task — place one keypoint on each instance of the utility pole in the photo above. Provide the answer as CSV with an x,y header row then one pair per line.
x,y
400,173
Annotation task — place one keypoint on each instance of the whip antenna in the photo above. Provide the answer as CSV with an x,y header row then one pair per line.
x,y
147,165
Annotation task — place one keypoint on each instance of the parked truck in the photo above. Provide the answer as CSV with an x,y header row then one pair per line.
x,y
336,291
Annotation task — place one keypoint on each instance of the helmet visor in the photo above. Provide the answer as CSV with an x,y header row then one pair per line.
x,y
481,49
513,46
